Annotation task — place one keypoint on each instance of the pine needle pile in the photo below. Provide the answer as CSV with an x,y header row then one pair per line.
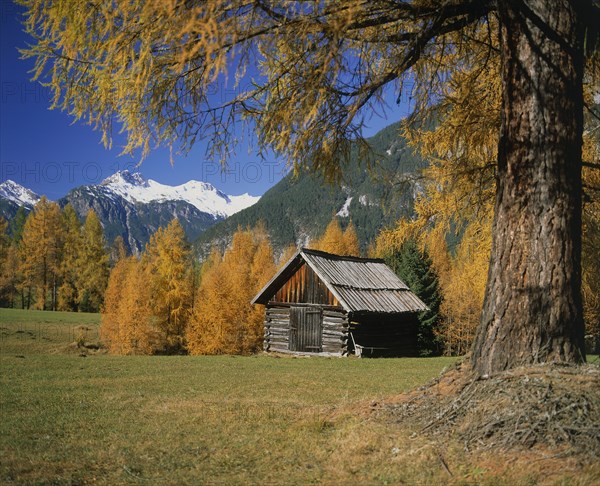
x,y
548,407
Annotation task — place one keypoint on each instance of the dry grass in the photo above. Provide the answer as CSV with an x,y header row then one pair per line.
x,y
68,419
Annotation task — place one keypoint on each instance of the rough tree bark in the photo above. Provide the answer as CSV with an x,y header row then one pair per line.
x,y
532,311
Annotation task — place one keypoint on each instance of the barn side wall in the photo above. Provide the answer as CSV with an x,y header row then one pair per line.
x,y
385,335
334,322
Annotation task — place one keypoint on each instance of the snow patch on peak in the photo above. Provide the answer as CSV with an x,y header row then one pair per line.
x,y
18,194
203,195
344,212
125,177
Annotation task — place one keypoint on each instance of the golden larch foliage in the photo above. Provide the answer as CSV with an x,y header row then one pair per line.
x,y
286,255
168,265
68,293
41,249
350,239
224,321
127,323
148,301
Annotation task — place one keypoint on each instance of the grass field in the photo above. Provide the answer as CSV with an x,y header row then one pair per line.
x,y
72,417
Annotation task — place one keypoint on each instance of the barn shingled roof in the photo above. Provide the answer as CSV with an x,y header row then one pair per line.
x,y
359,284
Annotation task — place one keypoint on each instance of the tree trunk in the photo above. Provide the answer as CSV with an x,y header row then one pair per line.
x,y
532,311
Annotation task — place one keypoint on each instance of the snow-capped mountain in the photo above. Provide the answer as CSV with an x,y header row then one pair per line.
x,y
133,207
204,196
18,194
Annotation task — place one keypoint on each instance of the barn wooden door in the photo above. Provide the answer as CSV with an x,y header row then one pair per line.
x,y
306,330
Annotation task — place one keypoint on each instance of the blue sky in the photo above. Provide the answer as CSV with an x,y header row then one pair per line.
x,y
45,151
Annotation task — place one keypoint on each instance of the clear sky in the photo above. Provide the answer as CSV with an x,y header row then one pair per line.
x,y
45,151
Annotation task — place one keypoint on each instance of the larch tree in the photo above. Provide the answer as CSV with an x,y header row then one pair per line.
x,y
128,325
118,250
110,329
167,261
92,264
224,321
41,248
12,282
332,240
350,238
324,69
68,297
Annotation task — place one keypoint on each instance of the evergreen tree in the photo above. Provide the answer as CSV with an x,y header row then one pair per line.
x,y
310,102
17,223
4,255
415,269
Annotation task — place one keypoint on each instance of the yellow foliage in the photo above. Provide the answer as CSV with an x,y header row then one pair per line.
x,y
464,289
338,242
287,254
127,324
224,321
167,263
40,250
148,301
350,240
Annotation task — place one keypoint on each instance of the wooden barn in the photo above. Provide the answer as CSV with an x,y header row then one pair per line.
x,y
337,305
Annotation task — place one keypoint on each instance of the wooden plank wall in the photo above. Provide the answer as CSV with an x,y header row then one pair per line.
x,y
277,329
306,333
389,334
304,286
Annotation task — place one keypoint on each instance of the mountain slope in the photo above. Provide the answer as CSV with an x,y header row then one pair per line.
x,y
132,207
202,195
297,210
13,196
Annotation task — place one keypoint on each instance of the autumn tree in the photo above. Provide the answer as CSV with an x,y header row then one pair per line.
x,y
41,248
110,326
118,250
168,264
224,321
68,293
350,239
288,252
92,264
12,287
338,242
324,69
127,323
332,240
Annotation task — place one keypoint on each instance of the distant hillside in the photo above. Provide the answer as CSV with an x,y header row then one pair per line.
x,y
297,210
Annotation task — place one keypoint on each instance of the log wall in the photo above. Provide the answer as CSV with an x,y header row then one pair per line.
x,y
335,328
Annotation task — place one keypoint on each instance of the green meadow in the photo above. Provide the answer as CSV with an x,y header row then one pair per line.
x,y
71,414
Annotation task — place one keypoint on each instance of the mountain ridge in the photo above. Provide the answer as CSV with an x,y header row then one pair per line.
x,y
130,206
